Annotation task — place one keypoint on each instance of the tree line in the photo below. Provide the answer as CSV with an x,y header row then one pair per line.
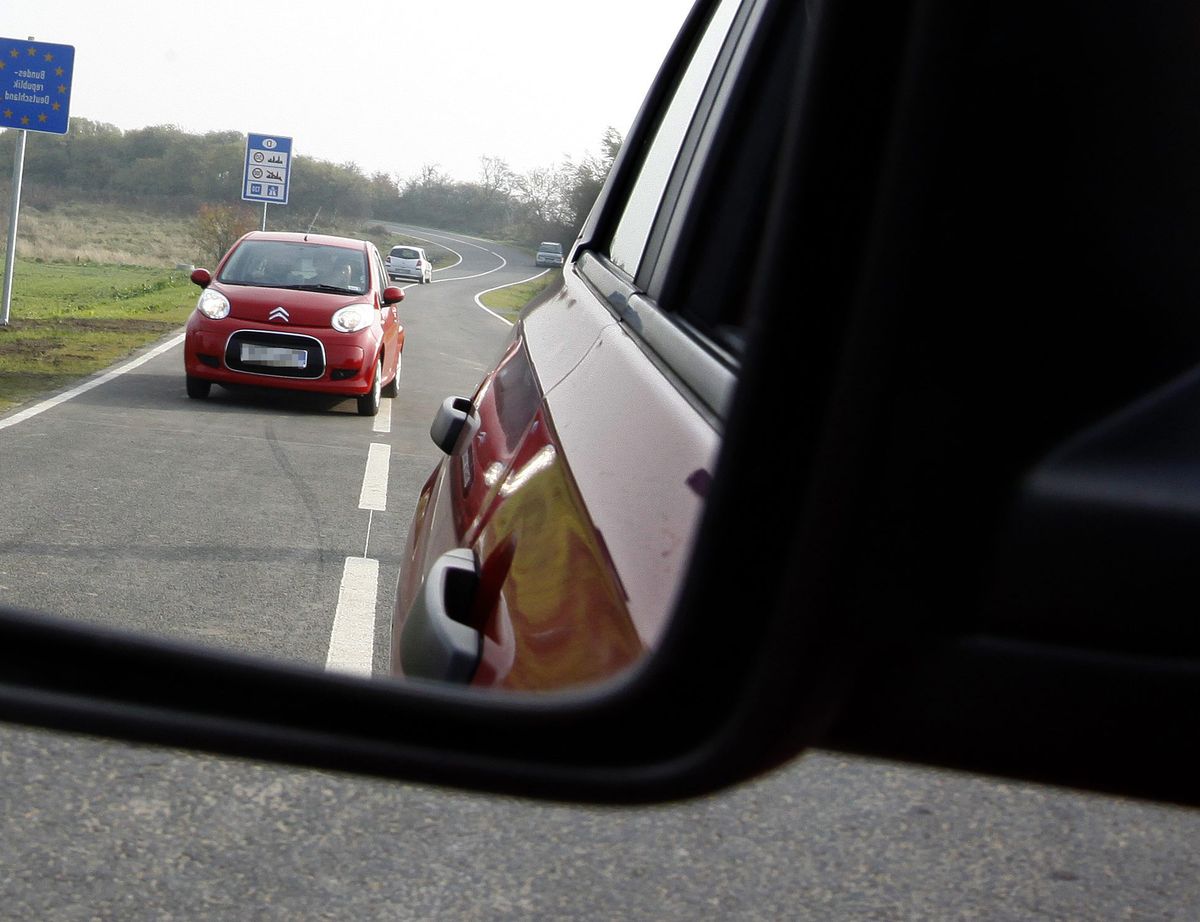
x,y
164,169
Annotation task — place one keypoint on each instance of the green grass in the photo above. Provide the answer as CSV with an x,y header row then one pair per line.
x,y
69,321
508,301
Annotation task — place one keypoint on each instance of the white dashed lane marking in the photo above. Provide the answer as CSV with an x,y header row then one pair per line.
x,y
352,640
375,479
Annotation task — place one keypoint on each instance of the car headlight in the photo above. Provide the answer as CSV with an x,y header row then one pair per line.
x,y
352,318
213,304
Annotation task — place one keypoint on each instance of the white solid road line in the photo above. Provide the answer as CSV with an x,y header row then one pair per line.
x,y
375,478
352,639
498,287
89,385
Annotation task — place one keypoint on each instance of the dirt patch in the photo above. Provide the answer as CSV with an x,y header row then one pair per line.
x,y
27,346
86,324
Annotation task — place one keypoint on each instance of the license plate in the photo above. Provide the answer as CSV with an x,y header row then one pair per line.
x,y
274,356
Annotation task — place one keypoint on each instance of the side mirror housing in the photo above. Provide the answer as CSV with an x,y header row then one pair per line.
x,y
201,277
391,294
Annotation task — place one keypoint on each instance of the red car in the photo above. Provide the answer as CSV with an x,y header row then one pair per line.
x,y
299,311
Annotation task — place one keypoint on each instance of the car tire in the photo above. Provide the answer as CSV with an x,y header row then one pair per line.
x,y
368,403
198,388
391,388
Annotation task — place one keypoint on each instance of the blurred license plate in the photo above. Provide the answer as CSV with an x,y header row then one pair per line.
x,y
274,355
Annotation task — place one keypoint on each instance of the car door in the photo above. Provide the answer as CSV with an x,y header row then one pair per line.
x,y
588,449
389,318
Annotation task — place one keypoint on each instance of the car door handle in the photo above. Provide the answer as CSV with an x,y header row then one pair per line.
x,y
449,422
436,641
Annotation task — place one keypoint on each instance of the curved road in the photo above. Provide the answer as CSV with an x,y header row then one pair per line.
x,y
231,522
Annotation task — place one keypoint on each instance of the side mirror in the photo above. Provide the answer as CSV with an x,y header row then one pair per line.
x,y
391,294
201,277
455,413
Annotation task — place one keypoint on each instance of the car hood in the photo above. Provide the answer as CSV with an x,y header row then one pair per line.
x,y
304,308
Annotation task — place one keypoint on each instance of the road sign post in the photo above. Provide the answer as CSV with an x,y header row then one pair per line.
x,y
268,170
35,79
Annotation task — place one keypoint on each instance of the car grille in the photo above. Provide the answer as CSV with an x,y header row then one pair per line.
x,y
314,367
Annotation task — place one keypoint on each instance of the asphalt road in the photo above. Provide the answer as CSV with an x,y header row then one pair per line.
x,y
229,522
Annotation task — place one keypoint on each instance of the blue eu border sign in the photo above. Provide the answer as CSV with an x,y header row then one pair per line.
x,y
268,168
35,80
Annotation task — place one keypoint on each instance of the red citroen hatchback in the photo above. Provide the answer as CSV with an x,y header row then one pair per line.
x,y
298,311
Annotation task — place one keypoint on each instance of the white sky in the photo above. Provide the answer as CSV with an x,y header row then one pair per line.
x,y
389,85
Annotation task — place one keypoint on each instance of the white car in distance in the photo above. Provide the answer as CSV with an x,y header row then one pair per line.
x,y
409,262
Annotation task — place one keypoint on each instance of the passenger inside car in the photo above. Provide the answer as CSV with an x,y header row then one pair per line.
x,y
347,275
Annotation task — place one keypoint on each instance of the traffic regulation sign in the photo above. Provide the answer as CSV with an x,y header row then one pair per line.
x,y
268,168
35,79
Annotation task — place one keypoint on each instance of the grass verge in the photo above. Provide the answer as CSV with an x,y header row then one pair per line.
x,y
69,321
509,301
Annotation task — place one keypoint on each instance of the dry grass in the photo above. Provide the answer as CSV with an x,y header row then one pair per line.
x,y
98,235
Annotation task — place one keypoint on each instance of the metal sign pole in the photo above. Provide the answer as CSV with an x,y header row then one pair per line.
x,y
264,227
14,212
37,97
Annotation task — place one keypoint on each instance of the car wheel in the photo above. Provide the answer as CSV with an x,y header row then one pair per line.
x,y
368,403
198,388
390,389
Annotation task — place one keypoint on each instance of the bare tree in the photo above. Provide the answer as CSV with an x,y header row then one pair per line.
x,y
496,176
217,227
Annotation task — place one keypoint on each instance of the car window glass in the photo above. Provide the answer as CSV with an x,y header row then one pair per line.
x,y
272,263
633,229
380,275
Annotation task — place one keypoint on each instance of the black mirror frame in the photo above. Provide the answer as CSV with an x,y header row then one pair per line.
x,y
781,643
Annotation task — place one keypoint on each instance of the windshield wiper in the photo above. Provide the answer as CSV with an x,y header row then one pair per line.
x,y
312,286
307,286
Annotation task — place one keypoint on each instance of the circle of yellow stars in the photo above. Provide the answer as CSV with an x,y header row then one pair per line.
x,y
47,57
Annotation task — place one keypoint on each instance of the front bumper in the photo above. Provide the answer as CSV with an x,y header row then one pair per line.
x,y
341,364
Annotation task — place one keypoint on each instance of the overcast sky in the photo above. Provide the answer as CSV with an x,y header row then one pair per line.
x,y
391,86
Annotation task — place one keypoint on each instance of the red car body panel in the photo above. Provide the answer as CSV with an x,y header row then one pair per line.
x,y
349,355
542,484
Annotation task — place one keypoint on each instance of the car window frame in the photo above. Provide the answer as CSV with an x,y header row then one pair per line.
x,y
380,273
687,356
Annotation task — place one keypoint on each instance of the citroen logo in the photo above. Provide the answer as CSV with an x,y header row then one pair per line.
x,y
279,314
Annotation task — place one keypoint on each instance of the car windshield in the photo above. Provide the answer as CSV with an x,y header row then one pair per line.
x,y
406,253
552,248
281,264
